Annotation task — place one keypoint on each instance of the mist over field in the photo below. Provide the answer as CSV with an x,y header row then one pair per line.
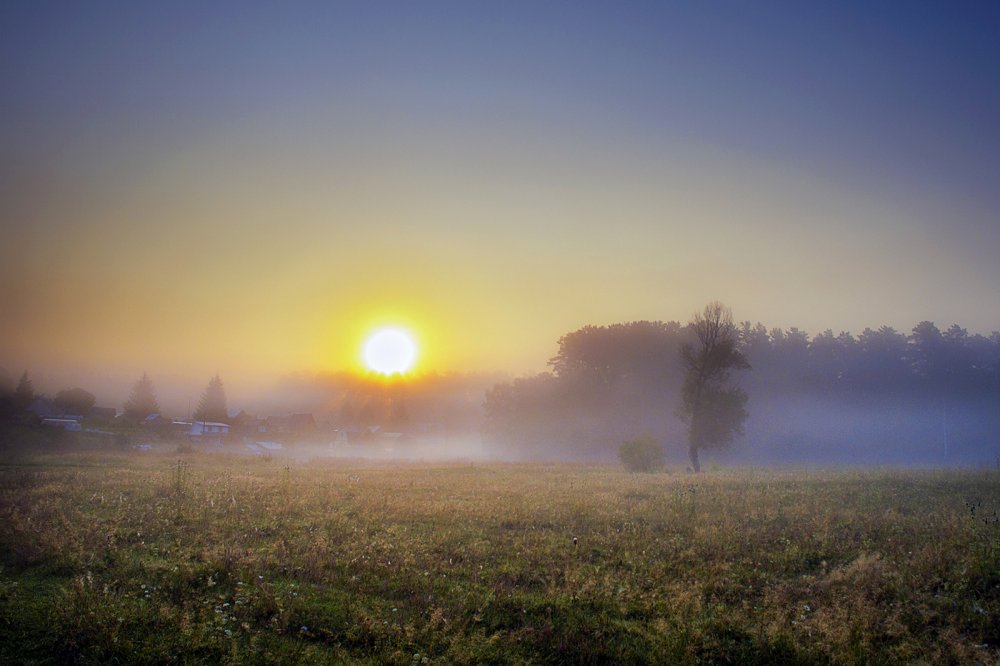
x,y
927,398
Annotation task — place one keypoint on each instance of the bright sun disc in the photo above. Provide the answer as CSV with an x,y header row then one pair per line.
x,y
390,351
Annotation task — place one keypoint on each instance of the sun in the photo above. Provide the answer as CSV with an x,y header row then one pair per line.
x,y
390,351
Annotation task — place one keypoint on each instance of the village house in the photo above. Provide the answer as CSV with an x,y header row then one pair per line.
x,y
208,431
248,425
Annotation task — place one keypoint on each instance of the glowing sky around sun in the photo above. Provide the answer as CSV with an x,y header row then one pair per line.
x,y
251,189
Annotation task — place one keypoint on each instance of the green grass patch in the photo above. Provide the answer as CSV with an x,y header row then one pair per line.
x,y
144,559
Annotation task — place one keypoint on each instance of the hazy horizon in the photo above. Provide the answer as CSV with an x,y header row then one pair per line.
x,y
179,392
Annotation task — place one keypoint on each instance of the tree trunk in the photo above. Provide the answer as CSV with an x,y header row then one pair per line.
x,y
693,452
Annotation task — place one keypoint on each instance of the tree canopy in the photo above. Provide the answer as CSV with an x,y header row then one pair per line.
x,y
712,406
75,401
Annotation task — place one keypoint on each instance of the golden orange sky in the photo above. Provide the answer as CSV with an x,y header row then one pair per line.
x,y
201,261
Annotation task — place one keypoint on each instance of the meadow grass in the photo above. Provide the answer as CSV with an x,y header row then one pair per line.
x,y
158,560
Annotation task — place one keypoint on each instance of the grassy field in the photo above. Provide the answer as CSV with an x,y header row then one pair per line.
x,y
153,559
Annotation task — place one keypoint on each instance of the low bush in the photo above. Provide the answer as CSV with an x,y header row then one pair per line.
x,y
642,454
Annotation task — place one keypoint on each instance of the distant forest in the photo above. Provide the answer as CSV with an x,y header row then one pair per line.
x,y
883,396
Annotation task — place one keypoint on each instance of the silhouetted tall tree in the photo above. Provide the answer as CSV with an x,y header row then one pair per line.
x,y
142,401
711,405
212,406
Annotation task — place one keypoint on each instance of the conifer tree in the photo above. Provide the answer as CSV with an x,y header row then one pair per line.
x,y
212,406
142,401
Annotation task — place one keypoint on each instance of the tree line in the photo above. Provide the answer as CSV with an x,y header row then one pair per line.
x,y
212,405
607,384
141,403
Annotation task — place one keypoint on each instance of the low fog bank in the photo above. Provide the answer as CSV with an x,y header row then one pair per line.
x,y
802,429
304,416
429,449
789,429
931,398
468,448
793,429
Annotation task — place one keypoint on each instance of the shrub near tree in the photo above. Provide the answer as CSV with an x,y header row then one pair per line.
x,y
642,454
